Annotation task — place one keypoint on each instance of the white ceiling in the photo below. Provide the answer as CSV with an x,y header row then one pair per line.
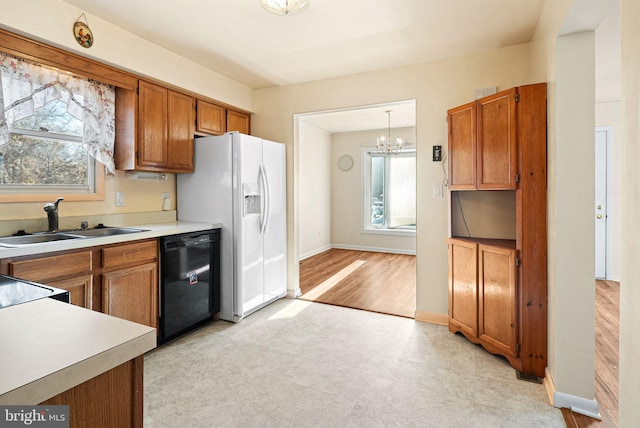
x,y
239,39
364,118
330,38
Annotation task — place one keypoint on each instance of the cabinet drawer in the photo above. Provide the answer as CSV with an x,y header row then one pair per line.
x,y
129,254
46,269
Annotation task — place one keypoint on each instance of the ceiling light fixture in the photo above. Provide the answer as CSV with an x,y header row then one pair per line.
x,y
285,7
385,144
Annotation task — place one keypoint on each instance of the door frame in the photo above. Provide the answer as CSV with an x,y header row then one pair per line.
x,y
608,244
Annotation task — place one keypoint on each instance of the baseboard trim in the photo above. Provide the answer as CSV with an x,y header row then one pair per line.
x,y
577,404
442,319
293,294
549,385
314,252
375,249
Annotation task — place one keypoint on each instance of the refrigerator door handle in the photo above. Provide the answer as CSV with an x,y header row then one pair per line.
x,y
263,208
267,201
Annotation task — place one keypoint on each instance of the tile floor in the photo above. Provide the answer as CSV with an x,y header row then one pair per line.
x,y
305,364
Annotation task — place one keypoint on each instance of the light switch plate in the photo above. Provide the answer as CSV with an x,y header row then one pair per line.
x,y
437,190
119,199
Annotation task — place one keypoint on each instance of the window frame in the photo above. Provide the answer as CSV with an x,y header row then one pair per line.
x,y
96,173
366,226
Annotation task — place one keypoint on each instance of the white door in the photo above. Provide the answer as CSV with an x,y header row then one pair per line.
x,y
601,204
275,231
249,203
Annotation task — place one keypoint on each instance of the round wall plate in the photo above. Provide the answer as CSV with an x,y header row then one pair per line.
x,y
83,34
345,162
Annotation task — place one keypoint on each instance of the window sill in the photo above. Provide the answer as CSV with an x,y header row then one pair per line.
x,y
396,232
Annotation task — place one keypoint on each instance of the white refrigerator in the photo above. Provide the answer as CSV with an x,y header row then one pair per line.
x,y
240,181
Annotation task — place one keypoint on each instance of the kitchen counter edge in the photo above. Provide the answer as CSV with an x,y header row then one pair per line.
x,y
52,347
154,230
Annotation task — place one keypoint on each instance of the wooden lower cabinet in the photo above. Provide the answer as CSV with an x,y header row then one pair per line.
x,y
70,271
131,294
463,286
112,399
119,279
130,282
483,297
80,289
497,303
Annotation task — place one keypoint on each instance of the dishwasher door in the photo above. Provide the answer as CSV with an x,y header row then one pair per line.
x,y
189,281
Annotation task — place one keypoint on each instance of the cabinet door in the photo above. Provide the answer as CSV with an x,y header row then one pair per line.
x,y
462,147
152,141
497,137
237,121
180,132
463,287
132,294
211,118
497,297
80,289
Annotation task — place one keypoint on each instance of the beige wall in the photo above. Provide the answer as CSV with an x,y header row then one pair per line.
x,y
346,195
436,86
629,289
315,190
52,24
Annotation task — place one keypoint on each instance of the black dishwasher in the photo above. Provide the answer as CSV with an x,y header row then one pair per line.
x,y
189,281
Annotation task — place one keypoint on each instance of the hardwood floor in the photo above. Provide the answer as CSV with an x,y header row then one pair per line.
x,y
377,282
606,359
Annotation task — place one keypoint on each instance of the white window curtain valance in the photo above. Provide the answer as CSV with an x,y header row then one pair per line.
x,y
26,86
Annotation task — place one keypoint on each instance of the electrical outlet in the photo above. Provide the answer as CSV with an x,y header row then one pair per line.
x,y
119,199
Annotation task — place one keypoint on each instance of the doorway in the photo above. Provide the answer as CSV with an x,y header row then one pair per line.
x,y
603,193
341,208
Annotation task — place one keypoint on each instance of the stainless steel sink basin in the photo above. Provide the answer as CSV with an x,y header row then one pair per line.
x,y
16,241
40,238
106,231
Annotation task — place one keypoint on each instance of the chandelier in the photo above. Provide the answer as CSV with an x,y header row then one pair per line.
x,y
285,7
385,144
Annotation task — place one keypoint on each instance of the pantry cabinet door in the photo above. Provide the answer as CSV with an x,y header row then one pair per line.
x,y
497,141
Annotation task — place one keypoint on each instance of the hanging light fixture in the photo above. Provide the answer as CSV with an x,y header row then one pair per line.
x,y
285,7
385,144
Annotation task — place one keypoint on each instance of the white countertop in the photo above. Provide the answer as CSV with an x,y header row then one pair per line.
x,y
152,231
49,347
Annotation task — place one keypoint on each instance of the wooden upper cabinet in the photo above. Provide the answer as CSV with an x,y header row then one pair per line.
x,y
154,129
180,131
211,118
237,121
462,147
153,107
497,133
483,143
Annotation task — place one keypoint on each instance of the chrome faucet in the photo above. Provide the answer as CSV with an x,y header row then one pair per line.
x,y
51,209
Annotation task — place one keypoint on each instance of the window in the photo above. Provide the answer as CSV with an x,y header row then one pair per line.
x,y
54,126
389,188
45,151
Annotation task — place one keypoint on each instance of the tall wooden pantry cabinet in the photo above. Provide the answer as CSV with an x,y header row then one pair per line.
x,y
498,209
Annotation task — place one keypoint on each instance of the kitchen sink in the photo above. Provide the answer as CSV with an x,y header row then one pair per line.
x,y
17,241
43,237
104,231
